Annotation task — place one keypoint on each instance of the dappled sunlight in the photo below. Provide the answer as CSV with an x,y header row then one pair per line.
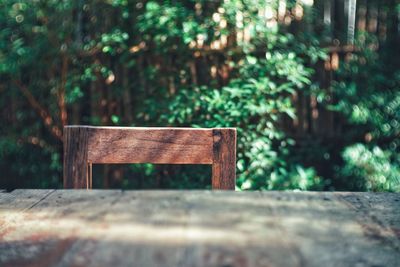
x,y
156,216
117,230
206,227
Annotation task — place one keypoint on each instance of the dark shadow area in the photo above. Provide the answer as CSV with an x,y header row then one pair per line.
x,y
151,176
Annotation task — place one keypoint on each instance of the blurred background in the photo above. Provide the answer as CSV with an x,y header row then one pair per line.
x,y
312,87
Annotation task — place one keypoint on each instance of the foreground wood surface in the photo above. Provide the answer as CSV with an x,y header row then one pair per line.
x,y
198,228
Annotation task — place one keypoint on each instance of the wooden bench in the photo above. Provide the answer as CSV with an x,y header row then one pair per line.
x,y
85,145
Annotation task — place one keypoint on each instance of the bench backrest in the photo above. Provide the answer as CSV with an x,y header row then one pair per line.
x,y
85,145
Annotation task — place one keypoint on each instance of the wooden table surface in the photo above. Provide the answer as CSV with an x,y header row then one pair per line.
x,y
198,228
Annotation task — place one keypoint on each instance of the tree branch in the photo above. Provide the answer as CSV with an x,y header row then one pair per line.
x,y
61,92
43,113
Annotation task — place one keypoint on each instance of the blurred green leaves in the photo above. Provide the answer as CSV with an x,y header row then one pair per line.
x,y
371,169
200,64
369,97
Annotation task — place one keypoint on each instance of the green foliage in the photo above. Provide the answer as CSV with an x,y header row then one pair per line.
x,y
254,101
199,64
370,169
369,93
369,96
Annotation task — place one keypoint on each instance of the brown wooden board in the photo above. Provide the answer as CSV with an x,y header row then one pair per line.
x,y
201,229
87,145
224,161
150,145
75,157
16,202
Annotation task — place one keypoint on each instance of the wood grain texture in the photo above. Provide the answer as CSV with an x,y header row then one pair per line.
x,y
224,159
199,229
86,145
75,157
150,145
17,202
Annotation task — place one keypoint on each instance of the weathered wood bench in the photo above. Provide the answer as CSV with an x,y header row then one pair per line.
x,y
86,145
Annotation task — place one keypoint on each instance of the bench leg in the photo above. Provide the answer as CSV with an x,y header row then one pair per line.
x,y
224,159
76,159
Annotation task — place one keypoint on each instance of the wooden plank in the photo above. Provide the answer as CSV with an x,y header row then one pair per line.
x,y
205,228
85,145
150,145
75,157
240,229
65,230
224,159
321,224
20,199
48,229
12,204
377,213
